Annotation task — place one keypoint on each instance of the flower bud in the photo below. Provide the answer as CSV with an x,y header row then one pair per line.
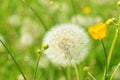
x,y
39,51
86,68
45,46
109,21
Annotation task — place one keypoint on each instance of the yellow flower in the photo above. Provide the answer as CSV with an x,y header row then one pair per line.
x,y
86,10
98,31
118,3
51,2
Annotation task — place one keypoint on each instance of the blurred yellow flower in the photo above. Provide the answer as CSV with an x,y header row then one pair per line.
x,y
51,2
118,3
86,10
98,31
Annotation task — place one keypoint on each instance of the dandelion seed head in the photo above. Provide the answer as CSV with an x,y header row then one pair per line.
x,y
102,2
14,20
31,27
26,40
85,21
68,44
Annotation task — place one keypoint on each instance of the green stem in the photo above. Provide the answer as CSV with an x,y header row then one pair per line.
x,y
119,16
76,72
13,59
51,72
115,71
91,76
112,47
36,14
72,3
105,54
68,73
36,66
105,73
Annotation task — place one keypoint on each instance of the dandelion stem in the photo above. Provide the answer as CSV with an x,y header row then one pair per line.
x,y
51,71
36,65
112,47
68,73
111,78
13,59
91,76
76,72
36,14
105,54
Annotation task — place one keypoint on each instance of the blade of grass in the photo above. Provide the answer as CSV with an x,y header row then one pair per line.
x,y
36,14
13,59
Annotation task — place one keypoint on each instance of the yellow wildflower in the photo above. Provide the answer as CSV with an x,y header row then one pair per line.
x,y
118,3
86,10
98,31
51,2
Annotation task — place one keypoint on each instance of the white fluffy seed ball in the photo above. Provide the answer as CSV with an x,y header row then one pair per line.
x,y
68,44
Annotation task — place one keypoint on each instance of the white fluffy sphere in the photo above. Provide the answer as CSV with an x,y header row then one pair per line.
x,y
68,44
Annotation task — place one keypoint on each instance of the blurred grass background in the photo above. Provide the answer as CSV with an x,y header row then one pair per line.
x,y
22,32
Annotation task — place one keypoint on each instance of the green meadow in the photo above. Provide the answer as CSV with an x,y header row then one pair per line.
x,y
24,24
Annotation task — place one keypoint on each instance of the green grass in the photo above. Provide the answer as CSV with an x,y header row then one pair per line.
x,y
12,35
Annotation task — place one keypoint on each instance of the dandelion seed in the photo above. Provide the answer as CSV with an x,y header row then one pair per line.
x,y
68,44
